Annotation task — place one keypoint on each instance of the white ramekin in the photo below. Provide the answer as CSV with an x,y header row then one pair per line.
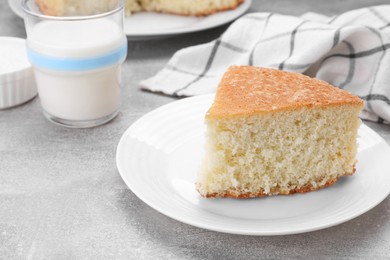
x,y
17,82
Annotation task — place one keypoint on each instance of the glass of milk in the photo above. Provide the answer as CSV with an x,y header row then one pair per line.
x,y
77,61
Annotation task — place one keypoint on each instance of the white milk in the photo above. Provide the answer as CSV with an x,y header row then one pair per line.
x,y
87,94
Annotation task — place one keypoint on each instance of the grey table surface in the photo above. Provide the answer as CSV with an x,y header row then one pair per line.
x,y
61,196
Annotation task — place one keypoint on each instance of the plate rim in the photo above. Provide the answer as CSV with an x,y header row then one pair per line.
x,y
13,5
254,232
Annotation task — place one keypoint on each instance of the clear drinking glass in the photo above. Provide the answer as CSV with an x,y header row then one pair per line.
x,y
77,62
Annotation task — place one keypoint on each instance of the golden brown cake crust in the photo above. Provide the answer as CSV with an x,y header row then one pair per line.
x,y
235,194
248,90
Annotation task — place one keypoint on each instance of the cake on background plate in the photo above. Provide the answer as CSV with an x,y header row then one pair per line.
x,y
180,7
273,132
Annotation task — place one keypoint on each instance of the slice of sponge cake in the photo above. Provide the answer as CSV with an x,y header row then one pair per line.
x,y
180,7
272,132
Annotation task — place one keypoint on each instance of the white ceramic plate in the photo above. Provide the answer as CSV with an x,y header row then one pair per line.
x,y
150,25
159,155
145,25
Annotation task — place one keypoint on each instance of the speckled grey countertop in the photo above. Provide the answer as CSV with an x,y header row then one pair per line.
x,y
61,196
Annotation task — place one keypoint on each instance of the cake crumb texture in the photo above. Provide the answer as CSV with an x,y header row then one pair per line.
x,y
295,137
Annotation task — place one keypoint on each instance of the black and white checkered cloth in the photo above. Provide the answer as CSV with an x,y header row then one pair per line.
x,y
349,51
